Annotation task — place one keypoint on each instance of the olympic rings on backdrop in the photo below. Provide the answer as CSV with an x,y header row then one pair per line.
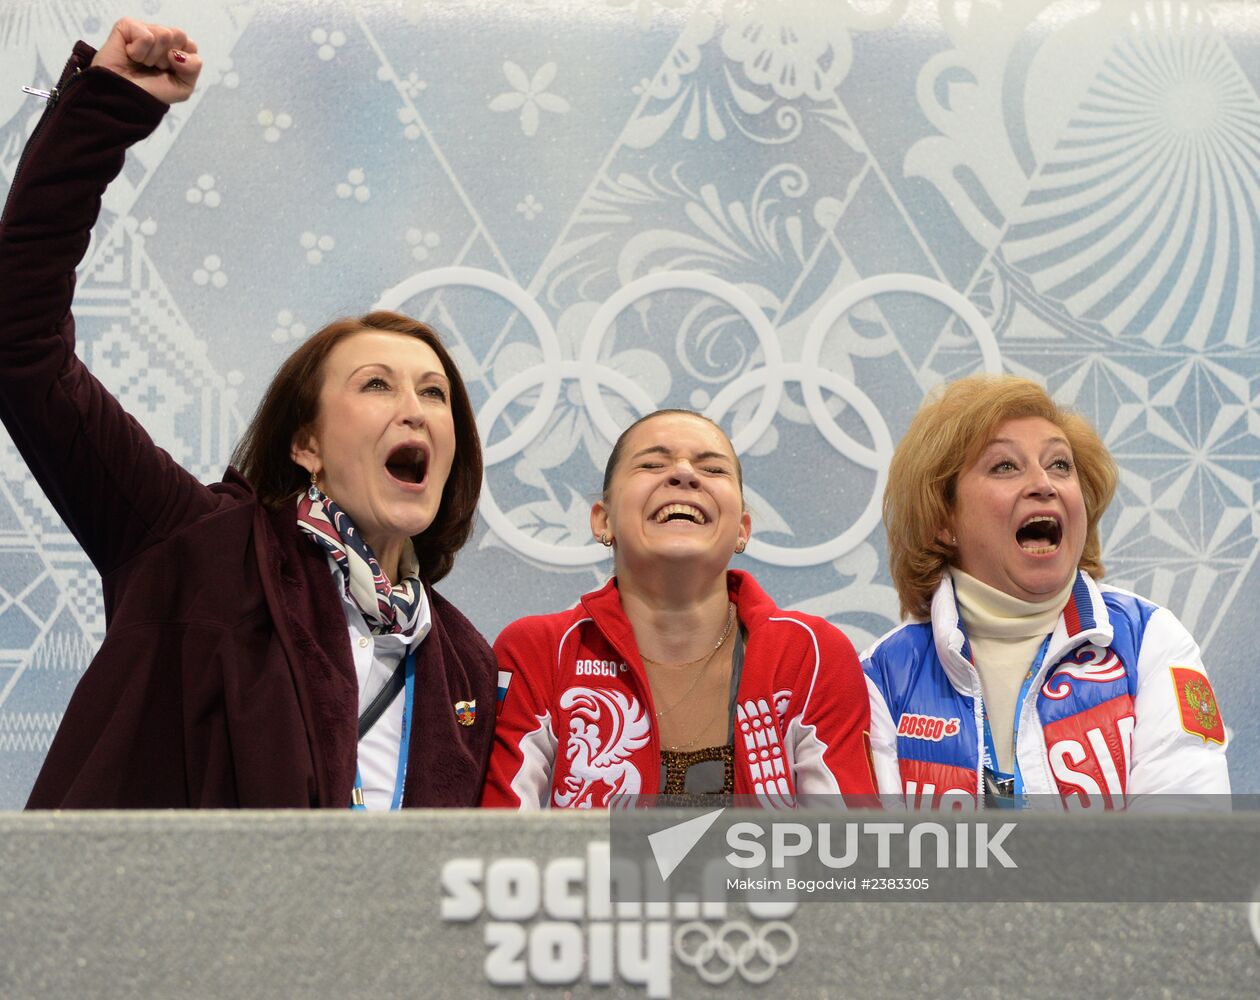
x,y
555,555
717,954
771,376
875,458
475,277
686,281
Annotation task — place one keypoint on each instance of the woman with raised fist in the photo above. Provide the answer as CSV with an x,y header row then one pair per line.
x,y
253,621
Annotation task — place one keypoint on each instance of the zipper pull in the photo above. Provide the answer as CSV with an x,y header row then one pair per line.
x,y
48,95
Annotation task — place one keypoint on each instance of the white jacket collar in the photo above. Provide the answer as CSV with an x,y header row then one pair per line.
x,y
1084,619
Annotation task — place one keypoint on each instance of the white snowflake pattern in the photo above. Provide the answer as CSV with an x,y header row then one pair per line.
x,y
136,227
287,328
411,84
327,42
211,272
422,243
316,246
274,124
530,95
411,128
530,207
220,71
354,187
203,192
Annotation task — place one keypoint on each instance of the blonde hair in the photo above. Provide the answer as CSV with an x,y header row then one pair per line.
x,y
947,434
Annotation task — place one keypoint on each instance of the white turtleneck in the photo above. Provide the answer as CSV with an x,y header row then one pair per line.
x,y
1005,634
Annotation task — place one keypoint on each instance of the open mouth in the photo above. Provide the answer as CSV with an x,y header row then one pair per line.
x,y
680,512
407,464
1040,535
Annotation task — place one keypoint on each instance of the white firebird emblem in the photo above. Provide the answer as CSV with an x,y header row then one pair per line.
x,y
606,727
1089,663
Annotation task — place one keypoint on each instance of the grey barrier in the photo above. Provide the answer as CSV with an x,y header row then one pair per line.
x,y
471,904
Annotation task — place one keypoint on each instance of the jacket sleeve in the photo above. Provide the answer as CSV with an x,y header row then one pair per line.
x,y
829,735
114,488
1174,749
883,740
522,760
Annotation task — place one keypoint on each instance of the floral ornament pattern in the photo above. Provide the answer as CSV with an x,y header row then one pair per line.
x,y
791,56
529,94
530,207
694,91
792,46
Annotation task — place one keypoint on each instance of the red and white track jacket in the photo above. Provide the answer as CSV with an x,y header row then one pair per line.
x,y
575,715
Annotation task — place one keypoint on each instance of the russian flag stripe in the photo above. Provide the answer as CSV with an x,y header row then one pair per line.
x,y
1078,615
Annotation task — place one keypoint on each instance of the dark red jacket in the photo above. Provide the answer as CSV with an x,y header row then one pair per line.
x,y
226,677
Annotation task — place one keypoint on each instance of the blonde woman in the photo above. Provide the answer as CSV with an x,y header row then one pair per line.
x,y
1019,673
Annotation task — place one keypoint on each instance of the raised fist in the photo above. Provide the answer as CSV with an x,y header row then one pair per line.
x,y
161,60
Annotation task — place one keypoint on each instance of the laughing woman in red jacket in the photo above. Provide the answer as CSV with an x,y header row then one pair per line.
x,y
680,676
252,621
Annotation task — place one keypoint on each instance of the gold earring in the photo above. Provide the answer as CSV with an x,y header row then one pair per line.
x,y
604,540
312,491
740,546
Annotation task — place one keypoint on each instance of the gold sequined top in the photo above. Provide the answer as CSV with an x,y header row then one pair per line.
x,y
704,767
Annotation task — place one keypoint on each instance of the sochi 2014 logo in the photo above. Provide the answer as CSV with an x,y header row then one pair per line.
x,y
555,924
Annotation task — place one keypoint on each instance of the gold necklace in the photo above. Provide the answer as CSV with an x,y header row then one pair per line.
x,y
708,658
683,747
730,620
700,731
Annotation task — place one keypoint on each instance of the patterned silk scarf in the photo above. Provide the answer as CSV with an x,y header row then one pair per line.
x,y
385,607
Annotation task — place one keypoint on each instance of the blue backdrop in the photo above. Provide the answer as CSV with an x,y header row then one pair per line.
x,y
795,215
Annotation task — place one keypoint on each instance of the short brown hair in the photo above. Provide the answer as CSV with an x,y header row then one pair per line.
x,y
947,434
291,403
620,445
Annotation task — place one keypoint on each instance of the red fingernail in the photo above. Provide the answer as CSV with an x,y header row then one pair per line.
x,y
178,56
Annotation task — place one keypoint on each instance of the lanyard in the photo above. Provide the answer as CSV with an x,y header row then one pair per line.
x,y
409,695
990,751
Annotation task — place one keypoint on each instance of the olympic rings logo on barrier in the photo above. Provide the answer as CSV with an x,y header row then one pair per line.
x,y
718,953
771,377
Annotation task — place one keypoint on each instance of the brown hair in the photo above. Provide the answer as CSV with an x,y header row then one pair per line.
x,y
291,403
615,455
944,438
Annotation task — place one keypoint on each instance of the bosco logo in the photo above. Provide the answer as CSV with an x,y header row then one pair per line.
x,y
555,924
599,668
927,727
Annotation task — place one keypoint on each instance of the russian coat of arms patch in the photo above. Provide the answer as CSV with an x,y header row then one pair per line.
x,y
1200,715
